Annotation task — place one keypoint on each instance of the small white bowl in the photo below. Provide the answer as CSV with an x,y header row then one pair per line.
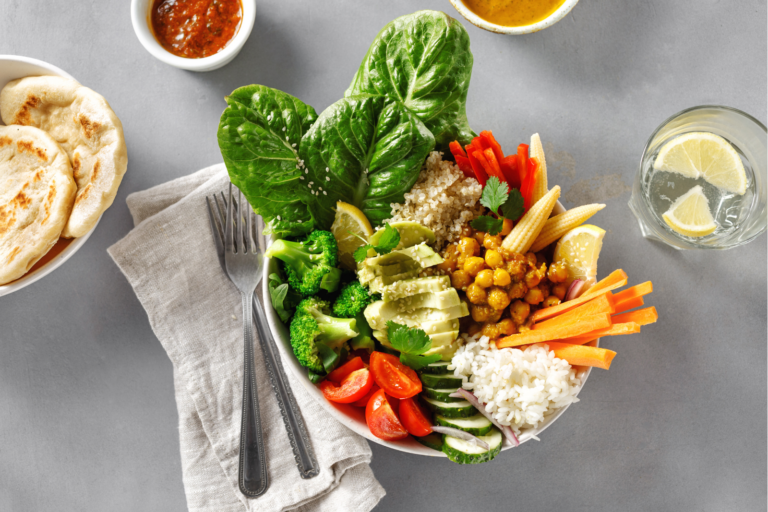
x,y
527,29
140,18
11,68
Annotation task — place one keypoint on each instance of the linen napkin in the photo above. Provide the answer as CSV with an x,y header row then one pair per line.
x,y
170,261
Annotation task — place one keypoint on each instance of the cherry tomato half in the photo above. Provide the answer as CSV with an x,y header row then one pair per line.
x,y
393,376
342,371
364,401
413,418
382,420
354,387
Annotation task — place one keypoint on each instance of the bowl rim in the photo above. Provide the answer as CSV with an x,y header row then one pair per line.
x,y
143,30
58,260
476,20
354,417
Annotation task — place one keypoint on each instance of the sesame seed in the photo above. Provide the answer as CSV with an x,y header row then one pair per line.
x,y
325,193
286,138
293,145
327,169
306,171
299,223
283,128
301,177
327,178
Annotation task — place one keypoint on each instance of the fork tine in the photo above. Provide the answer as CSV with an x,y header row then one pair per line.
x,y
228,244
215,225
239,223
221,209
249,226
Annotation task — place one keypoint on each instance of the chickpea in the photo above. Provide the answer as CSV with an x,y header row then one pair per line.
x,y
461,279
479,236
534,296
534,276
474,265
484,278
506,228
495,315
491,241
557,273
519,311
501,277
481,313
450,259
474,328
550,301
498,298
467,231
490,330
476,294
493,259
507,327
469,247
516,267
559,290
517,291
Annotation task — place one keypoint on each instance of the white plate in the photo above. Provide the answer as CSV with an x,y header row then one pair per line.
x,y
11,68
354,417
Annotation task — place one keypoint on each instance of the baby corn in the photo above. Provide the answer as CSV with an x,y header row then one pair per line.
x,y
557,226
537,151
530,225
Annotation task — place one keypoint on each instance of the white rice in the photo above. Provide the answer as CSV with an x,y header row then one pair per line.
x,y
520,388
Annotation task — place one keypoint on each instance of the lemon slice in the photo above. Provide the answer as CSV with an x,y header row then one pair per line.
x,y
579,249
706,155
349,218
690,215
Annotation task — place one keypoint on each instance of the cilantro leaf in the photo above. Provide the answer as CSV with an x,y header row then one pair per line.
x,y
488,224
418,362
361,253
512,208
408,340
494,194
389,239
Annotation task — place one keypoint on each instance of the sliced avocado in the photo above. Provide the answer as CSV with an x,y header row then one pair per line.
x,y
408,287
422,254
433,328
379,283
437,300
411,233
368,273
415,318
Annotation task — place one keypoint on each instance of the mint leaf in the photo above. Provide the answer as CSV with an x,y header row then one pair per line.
x,y
494,194
418,362
488,224
512,208
388,241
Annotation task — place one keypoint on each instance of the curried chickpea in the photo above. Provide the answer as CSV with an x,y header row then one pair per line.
x,y
479,236
507,327
517,291
493,258
450,259
516,266
534,296
557,273
476,294
482,313
532,278
498,298
467,231
469,247
484,278
461,279
531,257
474,328
474,265
491,241
519,312
506,228
490,330
550,301
501,277
559,290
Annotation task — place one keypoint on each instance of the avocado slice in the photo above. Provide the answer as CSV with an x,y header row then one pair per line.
x,y
422,254
411,233
409,287
378,319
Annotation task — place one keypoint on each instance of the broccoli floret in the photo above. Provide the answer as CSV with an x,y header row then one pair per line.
x,y
352,300
364,340
317,337
309,265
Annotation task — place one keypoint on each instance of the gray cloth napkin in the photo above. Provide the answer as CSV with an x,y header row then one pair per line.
x,y
170,261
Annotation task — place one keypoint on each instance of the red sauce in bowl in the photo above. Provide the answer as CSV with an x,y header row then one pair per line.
x,y
195,28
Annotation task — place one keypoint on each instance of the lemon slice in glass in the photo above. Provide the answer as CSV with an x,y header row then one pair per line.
x,y
579,249
690,215
349,218
706,155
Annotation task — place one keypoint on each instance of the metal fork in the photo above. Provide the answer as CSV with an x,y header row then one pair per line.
x,y
294,423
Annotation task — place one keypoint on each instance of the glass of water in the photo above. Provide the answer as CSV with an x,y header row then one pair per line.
x,y
739,218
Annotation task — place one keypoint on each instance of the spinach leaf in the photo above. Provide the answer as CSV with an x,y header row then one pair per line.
x,y
284,298
423,61
258,135
365,151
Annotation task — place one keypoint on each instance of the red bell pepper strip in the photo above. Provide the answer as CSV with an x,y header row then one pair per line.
x,y
488,137
456,149
530,180
461,159
509,168
493,168
477,167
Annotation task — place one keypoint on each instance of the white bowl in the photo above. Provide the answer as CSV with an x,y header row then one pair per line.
x,y
527,29
354,417
11,68
140,18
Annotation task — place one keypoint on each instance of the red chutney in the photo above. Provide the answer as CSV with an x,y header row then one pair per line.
x,y
195,28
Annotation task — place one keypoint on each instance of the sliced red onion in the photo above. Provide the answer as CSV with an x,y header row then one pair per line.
x,y
574,290
471,398
460,434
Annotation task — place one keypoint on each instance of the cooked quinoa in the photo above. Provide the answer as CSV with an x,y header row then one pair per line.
x,y
443,199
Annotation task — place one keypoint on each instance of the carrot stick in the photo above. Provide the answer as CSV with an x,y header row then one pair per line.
x,y
596,306
580,355
585,325
628,304
638,290
643,316
545,313
614,330
614,277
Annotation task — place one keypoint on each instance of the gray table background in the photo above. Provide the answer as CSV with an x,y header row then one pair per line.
x,y
87,414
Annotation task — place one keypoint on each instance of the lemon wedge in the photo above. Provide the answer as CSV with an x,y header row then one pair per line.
x,y
690,215
579,249
348,219
706,155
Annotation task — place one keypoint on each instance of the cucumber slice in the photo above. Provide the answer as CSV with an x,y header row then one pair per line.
x,y
462,409
438,367
477,425
464,452
441,395
433,440
441,380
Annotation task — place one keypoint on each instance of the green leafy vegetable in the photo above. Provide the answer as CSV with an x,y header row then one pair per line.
x,y
487,224
423,61
500,200
513,208
411,343
258,135
284,298
494,194
387,242
366,152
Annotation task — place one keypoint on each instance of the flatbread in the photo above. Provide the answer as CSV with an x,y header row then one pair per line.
x,y
83,123
37,192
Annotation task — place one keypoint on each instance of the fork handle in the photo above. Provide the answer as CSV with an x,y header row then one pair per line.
x,y
253,478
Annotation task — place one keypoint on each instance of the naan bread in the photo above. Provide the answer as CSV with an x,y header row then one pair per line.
x,y
83,123
36,197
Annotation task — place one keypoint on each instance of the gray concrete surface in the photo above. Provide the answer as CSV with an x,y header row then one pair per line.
x,y
87,415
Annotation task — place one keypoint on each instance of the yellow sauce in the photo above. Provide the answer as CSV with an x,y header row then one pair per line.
x,y
513,13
